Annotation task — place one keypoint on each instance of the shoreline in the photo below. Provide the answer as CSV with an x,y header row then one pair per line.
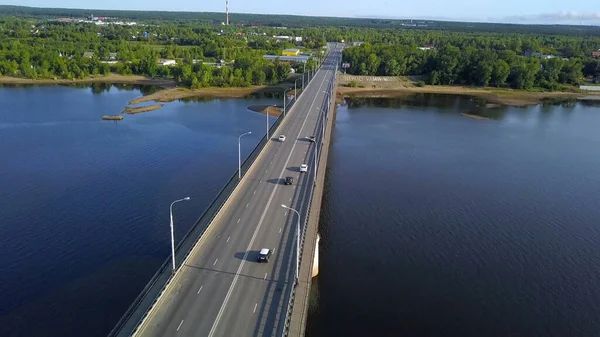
x,y
264,109
385,88
172,94
491,95
108,79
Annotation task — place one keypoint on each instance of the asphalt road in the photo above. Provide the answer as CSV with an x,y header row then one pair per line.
x,y
221,290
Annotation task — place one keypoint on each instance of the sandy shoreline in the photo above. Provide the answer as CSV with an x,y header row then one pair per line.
x,y
369,86
397,87
112,78
493,96
173,94
271,110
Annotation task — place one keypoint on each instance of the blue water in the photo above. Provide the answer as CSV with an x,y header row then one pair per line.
x,y
84,204
436,224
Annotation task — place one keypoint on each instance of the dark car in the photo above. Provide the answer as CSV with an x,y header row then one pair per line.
x,y
289,180
264,255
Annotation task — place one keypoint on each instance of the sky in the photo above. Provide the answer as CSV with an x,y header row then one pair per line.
x,y
516,11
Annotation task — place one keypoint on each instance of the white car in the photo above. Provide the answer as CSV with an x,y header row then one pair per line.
x,y
282,138
303,168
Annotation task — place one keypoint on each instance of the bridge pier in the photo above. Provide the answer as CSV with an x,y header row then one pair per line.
x,y
315,268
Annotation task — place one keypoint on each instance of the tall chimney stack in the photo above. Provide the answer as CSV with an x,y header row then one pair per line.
x,y
227,12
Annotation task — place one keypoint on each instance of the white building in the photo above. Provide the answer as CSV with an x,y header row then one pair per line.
x,y
166,62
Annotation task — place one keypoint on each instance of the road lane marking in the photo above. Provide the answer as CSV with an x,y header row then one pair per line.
x,y
228,239
265,276
254,192
280,229
215,262
262,218
239,220
290,199
247,205
199,290
285,213
256,305
178,327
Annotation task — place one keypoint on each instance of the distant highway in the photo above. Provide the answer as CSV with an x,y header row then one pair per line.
x,y
221,290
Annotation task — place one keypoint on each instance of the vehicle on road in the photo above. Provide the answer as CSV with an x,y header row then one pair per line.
x,y
281,138
289,180
264,255
311,138
303,168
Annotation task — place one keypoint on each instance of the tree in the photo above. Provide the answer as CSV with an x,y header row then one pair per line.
x,y
500,73
372,64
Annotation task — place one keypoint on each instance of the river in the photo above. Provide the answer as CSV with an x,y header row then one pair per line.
x,y
437,224
84,208
433,223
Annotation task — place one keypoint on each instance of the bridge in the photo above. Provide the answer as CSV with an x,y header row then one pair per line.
x,y
219,288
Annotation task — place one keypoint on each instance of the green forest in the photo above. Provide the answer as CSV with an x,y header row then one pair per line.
x,y
298,21
46,49
33,44
521,61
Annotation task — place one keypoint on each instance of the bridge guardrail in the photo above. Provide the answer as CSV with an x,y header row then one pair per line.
x,y
324,110
141,306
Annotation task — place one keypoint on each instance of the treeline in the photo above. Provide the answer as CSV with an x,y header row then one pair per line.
x,y
203,57
303,21
548,62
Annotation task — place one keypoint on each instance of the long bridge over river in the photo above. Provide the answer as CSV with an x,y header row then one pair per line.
x,y
218,288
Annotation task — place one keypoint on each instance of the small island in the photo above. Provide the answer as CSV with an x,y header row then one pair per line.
x,y
112,118
146,108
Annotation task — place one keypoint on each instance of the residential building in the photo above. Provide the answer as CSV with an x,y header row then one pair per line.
x,y
427,47
299,58
291,52
166,62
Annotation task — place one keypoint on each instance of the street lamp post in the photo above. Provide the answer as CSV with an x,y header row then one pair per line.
x,y
295,90
267,124
173,231
284,96
303,73
315,168
240,152
297,240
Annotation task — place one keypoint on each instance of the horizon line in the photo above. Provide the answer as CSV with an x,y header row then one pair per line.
x,y
357,17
